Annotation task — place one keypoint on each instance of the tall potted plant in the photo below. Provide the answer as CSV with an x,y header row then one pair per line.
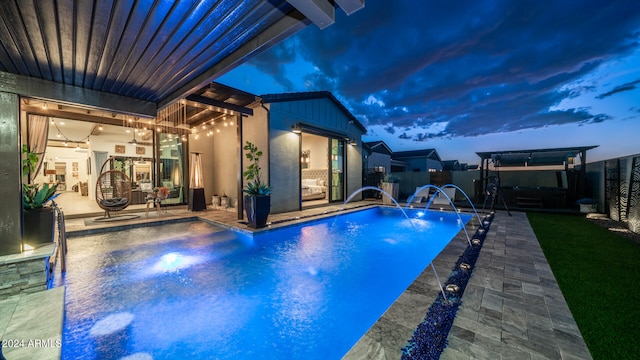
x,y
390,185
38,216
257,201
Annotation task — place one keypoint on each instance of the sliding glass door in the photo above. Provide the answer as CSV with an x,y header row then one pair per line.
x,y
337,170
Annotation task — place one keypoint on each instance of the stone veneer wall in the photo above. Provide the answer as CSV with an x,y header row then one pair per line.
x,y
24,276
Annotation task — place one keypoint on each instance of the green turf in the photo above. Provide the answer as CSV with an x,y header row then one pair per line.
x,y
599,274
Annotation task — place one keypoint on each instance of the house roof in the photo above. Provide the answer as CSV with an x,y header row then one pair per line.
x,y
450,164
155,52
535,157
311,95
426,153
378,147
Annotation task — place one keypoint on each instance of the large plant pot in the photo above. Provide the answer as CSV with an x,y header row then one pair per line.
x,y
38,226
392,189
257,208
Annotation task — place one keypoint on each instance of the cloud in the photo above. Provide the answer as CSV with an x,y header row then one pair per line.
x,y
621,88
483,67
275,61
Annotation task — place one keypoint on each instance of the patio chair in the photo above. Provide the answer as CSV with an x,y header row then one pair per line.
x,y
113,191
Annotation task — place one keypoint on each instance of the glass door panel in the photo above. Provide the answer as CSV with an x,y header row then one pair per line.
x,y
337,170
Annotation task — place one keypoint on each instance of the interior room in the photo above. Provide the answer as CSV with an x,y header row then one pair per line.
x,y
314,165
78,150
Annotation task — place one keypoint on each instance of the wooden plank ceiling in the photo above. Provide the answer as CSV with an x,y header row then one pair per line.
x,y
157,51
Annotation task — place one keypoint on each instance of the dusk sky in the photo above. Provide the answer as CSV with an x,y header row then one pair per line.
x,y
467,76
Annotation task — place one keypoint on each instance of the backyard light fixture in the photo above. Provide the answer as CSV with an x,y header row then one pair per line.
x,y
452,288
296,128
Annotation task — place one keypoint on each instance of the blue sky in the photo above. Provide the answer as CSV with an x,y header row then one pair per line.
x,y
467,76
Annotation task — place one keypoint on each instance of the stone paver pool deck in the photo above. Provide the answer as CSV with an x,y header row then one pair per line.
x,y
512,307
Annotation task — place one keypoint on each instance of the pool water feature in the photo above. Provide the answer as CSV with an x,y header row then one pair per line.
x,y
195,290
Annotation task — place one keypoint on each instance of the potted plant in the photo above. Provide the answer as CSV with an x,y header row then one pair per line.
x,y
257,201
38,216
587,205
390,185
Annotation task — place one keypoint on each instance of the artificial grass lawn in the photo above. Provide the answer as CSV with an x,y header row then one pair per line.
x,y
598,272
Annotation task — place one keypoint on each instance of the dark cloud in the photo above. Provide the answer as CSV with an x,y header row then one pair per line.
x,y
621,88
449,69
274,62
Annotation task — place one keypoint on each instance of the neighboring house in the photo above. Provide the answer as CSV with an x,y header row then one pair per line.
x,y
377,155
451,165
312,148
418,160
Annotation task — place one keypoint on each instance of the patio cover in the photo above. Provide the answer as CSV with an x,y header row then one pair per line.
x,y
137,56
535,157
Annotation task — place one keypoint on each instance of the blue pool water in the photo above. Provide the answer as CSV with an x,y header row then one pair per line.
x,y
195,291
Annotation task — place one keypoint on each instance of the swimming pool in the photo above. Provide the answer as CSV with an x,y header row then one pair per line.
x,y
195,290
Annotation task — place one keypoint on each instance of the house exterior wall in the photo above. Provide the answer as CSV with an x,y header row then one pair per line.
x,y
284,161
434,164
377,159
354,169
200,143
226,152
255,129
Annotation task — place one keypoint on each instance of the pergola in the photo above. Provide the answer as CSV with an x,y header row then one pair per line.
x,y
550,157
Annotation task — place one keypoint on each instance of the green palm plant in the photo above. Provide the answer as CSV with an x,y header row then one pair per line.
x,y
255,186
34,196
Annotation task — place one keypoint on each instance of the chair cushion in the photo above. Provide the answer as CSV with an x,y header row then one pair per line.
x,y
115,202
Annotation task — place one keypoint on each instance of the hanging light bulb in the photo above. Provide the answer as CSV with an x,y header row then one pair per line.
x,y
88,140
100,128
58,135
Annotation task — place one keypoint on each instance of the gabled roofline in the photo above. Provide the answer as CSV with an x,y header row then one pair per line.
x,y
375,144
418,153
310,95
